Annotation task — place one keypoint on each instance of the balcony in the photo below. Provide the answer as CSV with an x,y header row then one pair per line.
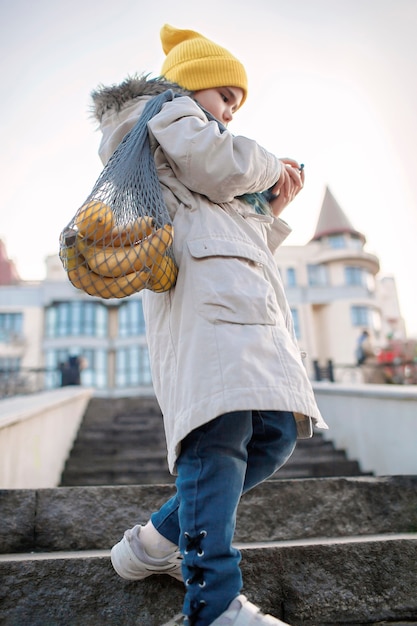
x,y
358,256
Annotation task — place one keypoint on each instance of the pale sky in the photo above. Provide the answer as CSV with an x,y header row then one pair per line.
x,y
332,83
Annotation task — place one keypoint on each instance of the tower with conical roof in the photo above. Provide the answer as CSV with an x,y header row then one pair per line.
x,y
333,221
333,287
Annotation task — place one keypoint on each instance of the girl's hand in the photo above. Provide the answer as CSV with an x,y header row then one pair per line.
x,y
288,185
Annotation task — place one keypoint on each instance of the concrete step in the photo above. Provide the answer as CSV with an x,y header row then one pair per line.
x,y
123,460
122,441
319,468
154,474
130,477
113,471
124,450
322,552
86,518
113,438
321,582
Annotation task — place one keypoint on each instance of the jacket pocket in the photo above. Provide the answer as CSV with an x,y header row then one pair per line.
x,y
229,283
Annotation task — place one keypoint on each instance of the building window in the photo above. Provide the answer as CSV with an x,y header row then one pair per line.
x,y
131,320
337,241
370,282
291,277
94,373
355,242
355,276
11,326
11,377
296,320
132,367
360,316
317,275
9,364
376,322
74,319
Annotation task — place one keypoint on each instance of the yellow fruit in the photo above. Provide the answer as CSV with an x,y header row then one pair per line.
x,y
164,276
94,220
131,233
103,287
69,252
114,262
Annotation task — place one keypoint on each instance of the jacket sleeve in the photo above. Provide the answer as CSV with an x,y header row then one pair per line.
x,y
277,233
207,161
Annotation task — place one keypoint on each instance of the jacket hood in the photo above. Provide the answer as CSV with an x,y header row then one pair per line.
x,y
115,97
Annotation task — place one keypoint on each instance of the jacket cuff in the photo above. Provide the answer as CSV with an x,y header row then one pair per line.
x,y
278,233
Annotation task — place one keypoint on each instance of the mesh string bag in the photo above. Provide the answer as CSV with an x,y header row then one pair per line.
x,y
120,240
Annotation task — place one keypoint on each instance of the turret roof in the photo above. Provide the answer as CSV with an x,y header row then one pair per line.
x,y
332,220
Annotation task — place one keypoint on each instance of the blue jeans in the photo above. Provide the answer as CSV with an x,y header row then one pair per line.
x,y
218,462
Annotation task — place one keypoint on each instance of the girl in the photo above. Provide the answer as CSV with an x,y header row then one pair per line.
x,y
226,368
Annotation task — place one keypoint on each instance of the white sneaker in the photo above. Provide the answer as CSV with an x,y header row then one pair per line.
x,y
241,612
131,562
178,620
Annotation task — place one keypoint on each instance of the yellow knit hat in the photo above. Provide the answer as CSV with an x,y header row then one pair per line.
x,y
195,63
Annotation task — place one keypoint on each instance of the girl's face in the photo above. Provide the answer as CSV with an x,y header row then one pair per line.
x,y
222,102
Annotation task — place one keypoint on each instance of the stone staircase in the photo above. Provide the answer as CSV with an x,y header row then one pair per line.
x,y
315,552
322,544
121,442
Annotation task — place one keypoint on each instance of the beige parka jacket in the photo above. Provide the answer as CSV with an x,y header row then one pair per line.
x,y
222,339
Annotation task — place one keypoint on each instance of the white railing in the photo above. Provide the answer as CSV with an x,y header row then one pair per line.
x,y
375,424
36,434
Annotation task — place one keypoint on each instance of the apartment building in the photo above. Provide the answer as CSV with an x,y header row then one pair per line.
x,y
332,282
335,290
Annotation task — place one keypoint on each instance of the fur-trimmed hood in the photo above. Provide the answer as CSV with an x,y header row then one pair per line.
x,y
115,97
